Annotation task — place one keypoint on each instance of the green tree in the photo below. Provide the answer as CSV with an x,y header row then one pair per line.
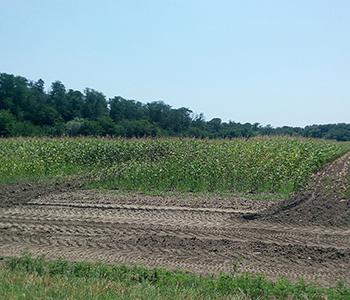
x,y
91,128
95,105
74,104
7,122
108,126
122,109
57,99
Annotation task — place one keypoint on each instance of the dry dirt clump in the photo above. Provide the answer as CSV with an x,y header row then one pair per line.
x,y
324,201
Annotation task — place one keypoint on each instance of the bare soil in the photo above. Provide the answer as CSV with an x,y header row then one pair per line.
x,y
307,236
324,201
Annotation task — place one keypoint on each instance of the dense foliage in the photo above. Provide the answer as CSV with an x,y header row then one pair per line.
x,y
278,165
35,278
26,109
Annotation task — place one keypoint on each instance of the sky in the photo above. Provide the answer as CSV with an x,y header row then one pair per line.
x,y
277,62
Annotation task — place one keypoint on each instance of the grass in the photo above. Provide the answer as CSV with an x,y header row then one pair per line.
x,y
27,277
276,165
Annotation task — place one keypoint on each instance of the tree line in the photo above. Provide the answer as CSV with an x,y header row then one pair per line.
x,y
26,109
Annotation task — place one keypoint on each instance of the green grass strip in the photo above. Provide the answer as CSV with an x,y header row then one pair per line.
x,y
27,277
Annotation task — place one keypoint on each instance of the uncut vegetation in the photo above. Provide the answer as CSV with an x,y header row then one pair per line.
x,y
35,278
274,165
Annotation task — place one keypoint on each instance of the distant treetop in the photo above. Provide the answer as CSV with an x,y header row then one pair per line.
x,y
26,109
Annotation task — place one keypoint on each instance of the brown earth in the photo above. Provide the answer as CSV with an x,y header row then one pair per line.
x,y
322,202
307,236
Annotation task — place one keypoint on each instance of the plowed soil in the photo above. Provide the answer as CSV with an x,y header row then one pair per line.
x,y
322,202
307,236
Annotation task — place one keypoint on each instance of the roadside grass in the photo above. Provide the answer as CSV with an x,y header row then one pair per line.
x,y
259,166
27,277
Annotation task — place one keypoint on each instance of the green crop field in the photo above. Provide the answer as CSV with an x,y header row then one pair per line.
x,y
274,165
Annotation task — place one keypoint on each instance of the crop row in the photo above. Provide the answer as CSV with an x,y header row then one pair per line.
x,y
279,164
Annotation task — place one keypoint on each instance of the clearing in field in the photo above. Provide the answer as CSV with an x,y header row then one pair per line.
x,y
181,204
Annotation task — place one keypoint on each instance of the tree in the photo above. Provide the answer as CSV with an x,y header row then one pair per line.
x,y
139,128
122,109
91,128
57,99
177,120
74,104
13,92
7,122
214,124
95,105
158,112
73,127
108,126
26,109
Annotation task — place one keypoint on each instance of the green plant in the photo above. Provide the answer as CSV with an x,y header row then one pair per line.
x,y
260,165
37,278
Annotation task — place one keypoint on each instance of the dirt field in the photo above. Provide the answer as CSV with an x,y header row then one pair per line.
x,y
307,236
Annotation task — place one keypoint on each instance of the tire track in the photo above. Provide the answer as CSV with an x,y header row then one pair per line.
x,y
204,240
94,229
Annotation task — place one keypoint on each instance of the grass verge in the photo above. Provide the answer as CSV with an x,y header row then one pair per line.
x,y
27,277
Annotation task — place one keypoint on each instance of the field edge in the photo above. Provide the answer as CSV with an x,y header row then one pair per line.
x,y
158,280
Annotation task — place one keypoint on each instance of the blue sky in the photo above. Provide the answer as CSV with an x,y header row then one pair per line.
x,y
273,62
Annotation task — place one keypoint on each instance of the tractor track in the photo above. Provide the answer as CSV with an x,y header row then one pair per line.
x,y
198,240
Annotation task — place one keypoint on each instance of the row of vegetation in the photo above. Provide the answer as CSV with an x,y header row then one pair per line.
x,y
35,278
275,165
26,109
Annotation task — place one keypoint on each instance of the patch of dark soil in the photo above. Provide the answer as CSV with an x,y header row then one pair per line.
x,y
301,252
322,202
228,248
20,193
